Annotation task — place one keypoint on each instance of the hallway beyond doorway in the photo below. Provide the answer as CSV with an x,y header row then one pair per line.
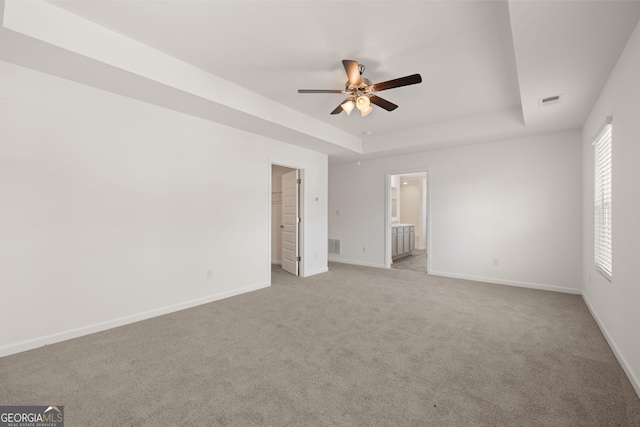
x,y
417,261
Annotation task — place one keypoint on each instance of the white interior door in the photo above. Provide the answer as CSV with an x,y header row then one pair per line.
x,y
290,221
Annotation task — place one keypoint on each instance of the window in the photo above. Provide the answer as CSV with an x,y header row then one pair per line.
x,y
602,199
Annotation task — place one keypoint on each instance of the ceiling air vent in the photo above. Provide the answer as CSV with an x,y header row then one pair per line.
x,y
549,100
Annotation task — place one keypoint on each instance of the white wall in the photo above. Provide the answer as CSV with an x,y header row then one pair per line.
x,y
423,214
410,203
413,201
515,199
113,209
395,198
615,304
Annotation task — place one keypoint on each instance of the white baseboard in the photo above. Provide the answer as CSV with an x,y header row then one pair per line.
x,y
276,262
362,263
508,282
316,271
633,379
19,347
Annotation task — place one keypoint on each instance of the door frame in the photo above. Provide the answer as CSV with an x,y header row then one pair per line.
x,y
301,212
387,214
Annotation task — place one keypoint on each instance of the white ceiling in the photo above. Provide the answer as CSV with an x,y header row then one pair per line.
x,y
275,48
484,64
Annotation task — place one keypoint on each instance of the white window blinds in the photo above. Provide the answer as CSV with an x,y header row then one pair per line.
x,y
602,232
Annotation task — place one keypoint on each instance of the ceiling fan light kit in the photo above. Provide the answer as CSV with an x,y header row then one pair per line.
x,y
361,90
362,102
348,106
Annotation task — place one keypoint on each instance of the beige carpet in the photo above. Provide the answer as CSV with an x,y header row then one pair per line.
x,y
417,261
353,347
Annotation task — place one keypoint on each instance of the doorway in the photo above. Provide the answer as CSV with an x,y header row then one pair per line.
x,y
286,214
407,224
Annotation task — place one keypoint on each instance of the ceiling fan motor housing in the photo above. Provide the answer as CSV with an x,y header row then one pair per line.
x,y
361,89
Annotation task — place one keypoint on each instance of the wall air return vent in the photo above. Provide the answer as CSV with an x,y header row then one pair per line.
x,y
334,246
549,100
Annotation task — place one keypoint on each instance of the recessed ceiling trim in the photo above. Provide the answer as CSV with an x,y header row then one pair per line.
x,y
52,29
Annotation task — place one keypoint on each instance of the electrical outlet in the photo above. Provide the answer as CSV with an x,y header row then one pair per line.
x,y
209,274
518,263
364,249
494,262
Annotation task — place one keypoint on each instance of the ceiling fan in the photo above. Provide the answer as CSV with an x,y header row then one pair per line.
x,y
361,91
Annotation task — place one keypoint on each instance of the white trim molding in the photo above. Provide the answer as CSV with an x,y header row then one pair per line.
x,y
361,263
121,321
633,379
516,283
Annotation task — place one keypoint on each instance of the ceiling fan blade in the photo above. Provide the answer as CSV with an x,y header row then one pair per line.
x,y
339,108
353,71
321,91
402,81
383,103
